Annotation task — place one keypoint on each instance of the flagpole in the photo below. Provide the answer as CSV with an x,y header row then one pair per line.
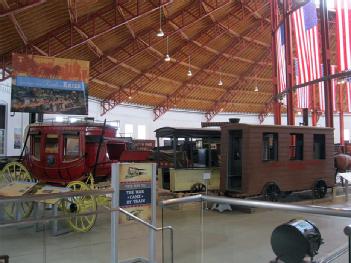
x,y
288,59
276,103
341,116
328,94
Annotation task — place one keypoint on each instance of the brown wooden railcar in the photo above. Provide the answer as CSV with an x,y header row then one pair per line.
x,y
269,160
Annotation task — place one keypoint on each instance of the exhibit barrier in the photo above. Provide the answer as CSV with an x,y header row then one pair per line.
x,y
244,235
42,222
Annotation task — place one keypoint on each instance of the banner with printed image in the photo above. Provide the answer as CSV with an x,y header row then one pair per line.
x,y
43,84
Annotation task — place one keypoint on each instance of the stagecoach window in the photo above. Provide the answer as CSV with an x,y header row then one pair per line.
x,y
36,146
270,146
71,149
51,145
319,146
296,146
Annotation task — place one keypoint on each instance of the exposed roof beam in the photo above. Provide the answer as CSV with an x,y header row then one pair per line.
x,y
19,6
199,44
207,6
65,37
19,30
230,94
142,79
187,87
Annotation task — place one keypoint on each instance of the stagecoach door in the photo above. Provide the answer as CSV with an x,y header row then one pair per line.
x,y
235,160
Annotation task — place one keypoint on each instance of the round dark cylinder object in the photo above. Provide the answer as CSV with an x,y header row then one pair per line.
x,y
296,239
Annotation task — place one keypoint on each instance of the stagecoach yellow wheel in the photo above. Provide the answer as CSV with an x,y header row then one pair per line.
x,y
80,205
16,172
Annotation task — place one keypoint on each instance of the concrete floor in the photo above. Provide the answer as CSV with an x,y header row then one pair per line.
x,y
228,237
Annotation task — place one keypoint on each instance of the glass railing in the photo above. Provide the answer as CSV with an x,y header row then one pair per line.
x,y
67,227
206,231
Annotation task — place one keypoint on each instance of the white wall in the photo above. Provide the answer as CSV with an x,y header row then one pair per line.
x,y
143,116
14,120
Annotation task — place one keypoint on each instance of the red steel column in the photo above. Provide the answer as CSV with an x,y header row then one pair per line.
x,y
341,115
314,107
288,59
326,62
276,103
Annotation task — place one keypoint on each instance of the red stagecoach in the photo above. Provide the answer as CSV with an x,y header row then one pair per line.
x,y
74,155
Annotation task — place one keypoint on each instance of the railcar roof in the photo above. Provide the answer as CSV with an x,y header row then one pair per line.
x,y
188,132
277,126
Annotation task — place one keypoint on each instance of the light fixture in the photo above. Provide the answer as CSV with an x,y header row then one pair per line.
x,y
160,32
167,57
130,97
189,70
256,87
299,113
220,82
342,81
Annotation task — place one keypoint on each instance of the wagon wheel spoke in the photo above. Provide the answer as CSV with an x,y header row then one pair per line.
x,y
13,172
79,205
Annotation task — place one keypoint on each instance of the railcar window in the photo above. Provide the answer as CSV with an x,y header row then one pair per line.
x,y
71,150
36,146
296,146
270,147
319,146
51,144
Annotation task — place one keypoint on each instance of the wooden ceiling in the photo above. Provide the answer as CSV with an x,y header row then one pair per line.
x,y
225,39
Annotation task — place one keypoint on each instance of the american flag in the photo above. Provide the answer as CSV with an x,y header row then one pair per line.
x,y
303,93
281,74
306,37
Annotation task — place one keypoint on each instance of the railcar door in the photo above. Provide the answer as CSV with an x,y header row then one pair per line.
x,y
235,161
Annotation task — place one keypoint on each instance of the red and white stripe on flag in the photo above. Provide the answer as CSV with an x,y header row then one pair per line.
x,y
343,19
303,93
307,48
280,49
343,35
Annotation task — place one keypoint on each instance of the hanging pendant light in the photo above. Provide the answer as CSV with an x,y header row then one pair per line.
x,y
160,32
256,87
167,57
220,82
189,70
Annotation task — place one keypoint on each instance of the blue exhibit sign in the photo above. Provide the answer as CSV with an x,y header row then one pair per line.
x,y
135,197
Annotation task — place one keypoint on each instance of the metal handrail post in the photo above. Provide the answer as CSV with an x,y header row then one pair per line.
x,y
347,231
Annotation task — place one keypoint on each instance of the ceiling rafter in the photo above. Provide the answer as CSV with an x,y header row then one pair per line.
x,y
66,36
187,87
131,48
230,94
20,6
142,79
17,26
208,7
229,56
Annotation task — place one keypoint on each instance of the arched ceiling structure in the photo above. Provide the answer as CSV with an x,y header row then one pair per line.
x,y
225,39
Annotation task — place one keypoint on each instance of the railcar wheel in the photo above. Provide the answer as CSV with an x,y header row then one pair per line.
x,y
16,172
197,188
271,192
319,189
79,205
